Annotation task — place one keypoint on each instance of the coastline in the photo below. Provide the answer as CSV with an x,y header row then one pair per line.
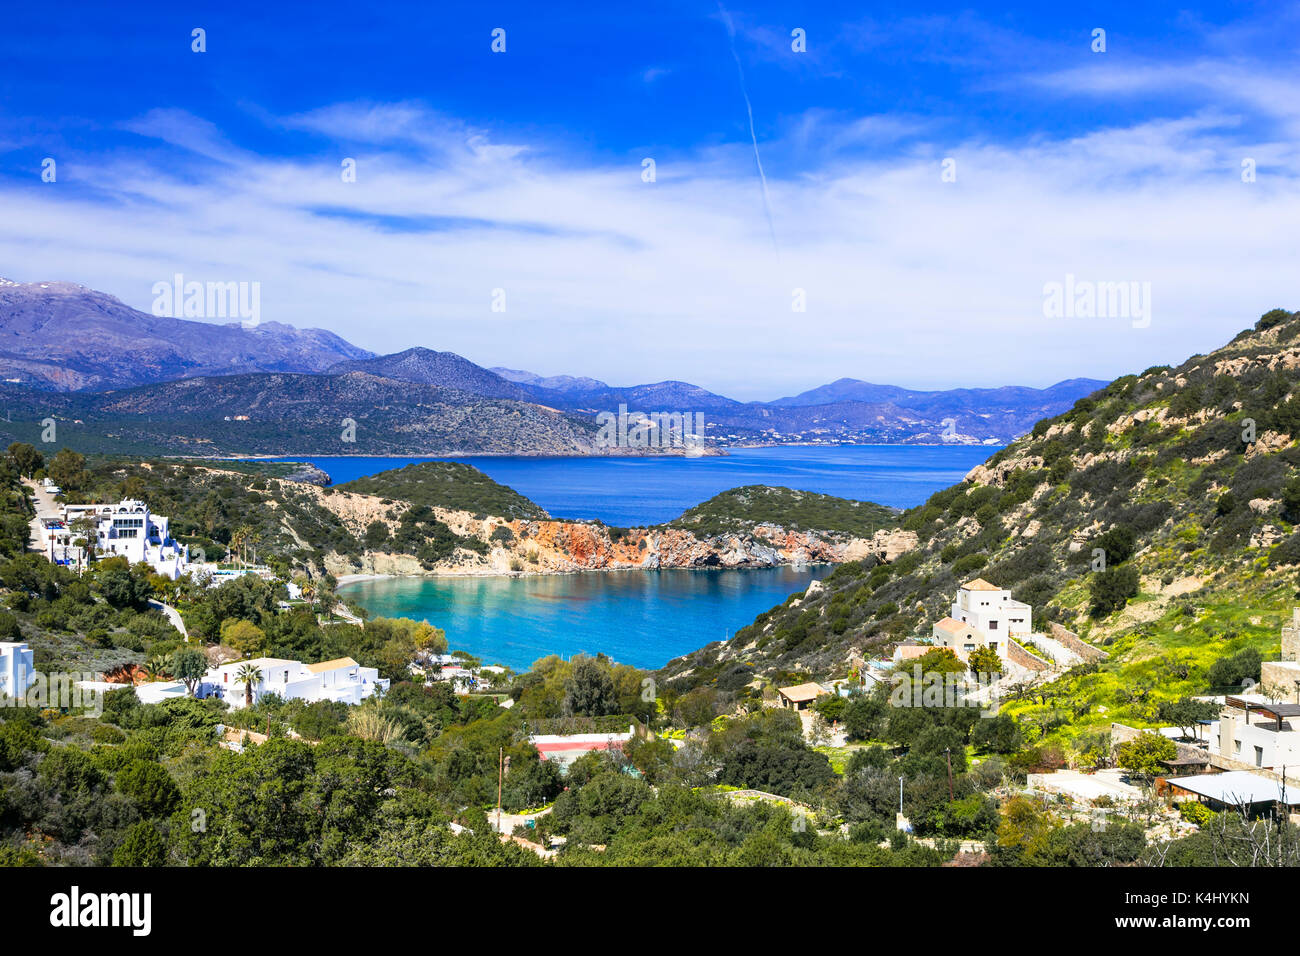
x,y
717,452
347,580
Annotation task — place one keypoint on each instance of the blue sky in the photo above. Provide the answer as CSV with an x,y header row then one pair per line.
x,y
522,171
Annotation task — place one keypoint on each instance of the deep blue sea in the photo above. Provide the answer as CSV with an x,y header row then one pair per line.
x,y
643,618
637,491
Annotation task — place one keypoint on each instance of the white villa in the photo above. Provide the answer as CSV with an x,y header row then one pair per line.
x,y
16,669
984,616
127,528
342,680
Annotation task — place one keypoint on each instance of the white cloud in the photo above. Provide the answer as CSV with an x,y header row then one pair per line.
x,y
909,280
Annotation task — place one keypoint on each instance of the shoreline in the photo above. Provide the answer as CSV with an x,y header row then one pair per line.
x,y
346,580
721,452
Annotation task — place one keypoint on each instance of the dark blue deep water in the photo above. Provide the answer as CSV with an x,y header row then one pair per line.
x,y
639,491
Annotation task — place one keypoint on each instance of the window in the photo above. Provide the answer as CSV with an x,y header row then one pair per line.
x,y
993,625
1259,756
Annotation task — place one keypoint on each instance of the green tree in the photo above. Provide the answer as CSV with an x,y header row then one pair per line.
x,y
67,469
1185,713
188,665
244,636
589,690
123,589
149,786
26,458
984,660
1144,753
143,845
1110,590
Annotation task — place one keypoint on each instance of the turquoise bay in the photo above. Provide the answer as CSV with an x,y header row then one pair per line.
x,y
643,618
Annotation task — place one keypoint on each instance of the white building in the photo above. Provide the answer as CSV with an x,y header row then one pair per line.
x,y
984,616
990,610
1253,730
341,680
16,671
127,528
148,692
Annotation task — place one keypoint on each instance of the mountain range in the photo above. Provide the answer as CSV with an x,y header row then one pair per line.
x,y
180,384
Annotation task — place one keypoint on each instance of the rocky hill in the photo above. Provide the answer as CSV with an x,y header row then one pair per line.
x,y
423,366
446,517
1157,519
752,505
277,414
62,336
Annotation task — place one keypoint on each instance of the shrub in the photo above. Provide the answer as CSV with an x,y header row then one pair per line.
x,y
1111,589
969,563
1231,670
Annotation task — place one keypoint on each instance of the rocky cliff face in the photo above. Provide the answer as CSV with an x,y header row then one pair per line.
x,y
549,547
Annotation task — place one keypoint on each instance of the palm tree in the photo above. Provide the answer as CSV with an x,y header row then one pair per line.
x,y
248,675
236,543
155,666
308,591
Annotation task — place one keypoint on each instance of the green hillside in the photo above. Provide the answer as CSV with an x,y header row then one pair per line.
x,y
740,509
1183,478
450,485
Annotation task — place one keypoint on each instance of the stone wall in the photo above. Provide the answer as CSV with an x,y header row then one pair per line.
x,y
1071,640
1291,637
1025,658
1278,679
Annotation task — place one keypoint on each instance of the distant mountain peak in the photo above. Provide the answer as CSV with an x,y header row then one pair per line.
x,y
66,337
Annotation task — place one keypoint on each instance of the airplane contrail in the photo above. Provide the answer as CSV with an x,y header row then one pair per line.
x,y
749,109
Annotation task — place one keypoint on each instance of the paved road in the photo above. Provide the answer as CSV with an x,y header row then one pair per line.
x,y
172,615
45,507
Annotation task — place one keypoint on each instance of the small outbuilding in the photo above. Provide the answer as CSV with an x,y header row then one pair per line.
x,y
800,696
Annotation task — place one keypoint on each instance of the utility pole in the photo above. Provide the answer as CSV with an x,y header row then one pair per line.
x,y
501,766
948,751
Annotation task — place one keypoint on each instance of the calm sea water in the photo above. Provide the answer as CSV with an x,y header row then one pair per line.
x,y
639,491
642,618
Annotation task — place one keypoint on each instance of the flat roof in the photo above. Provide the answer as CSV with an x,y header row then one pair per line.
x,y
1236,788
336,664
808,691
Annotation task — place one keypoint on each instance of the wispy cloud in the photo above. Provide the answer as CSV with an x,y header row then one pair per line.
x,y
908,278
